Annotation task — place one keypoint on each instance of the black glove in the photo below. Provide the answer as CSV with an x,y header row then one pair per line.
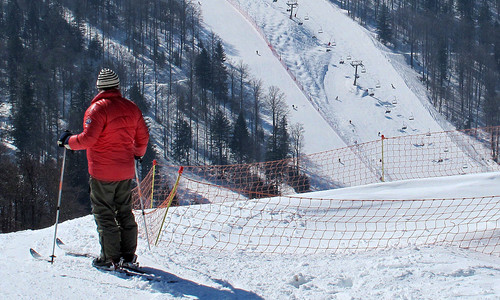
x,y
138,158
63,139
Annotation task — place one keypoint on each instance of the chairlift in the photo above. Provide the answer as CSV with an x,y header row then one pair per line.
x,y
348,57
363,70
446,149
387,110
320,30
377,85
411,118
428,133
306,17
404,126
395,101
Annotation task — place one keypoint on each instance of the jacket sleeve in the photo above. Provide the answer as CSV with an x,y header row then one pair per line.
x,y
141,137
93,124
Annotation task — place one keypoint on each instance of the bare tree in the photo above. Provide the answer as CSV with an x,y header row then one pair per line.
x,y
275,102
256,86
297,136
242,75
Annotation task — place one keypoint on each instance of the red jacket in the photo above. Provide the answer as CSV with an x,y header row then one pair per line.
x,y
114,132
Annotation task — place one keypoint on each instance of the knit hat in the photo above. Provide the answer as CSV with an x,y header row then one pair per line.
x,y
107,79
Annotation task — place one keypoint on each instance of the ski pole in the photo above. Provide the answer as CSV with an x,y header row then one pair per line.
x,y
142,204
169,202
58,206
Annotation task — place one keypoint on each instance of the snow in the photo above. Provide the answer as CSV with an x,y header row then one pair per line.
x,y
410,272
311,78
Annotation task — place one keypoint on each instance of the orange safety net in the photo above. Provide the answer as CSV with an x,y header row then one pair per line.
x,y
261,206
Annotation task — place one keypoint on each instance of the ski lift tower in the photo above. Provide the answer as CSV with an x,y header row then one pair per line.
x,y
292,4
356,64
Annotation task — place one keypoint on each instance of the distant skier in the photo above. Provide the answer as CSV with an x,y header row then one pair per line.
x,y
114,134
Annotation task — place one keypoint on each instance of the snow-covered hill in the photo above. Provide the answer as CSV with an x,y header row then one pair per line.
x,y
431,272
305,62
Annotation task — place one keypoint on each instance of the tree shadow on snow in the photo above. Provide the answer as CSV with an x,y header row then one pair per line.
x,y
168,283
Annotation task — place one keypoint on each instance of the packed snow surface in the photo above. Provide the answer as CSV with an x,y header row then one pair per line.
x,y
430,272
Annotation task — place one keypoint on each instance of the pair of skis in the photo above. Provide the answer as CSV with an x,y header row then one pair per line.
x,y
128,270
63,247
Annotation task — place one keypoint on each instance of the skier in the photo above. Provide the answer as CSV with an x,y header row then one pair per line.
x,y
114,134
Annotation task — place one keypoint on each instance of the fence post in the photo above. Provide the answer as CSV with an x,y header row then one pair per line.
x,y
153,183
383,172
169,202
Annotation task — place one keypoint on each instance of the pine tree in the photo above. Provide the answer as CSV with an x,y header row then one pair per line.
x,y
220,74
202,68
138,98
278,146
240,141
27,121
485,27
384,29
147,160
15,49
492,101
283,149
182,141
220,134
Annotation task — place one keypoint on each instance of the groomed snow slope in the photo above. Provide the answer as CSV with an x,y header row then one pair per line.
x,y
304,62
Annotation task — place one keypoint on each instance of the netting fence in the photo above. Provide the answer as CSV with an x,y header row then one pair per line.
x,y
263,207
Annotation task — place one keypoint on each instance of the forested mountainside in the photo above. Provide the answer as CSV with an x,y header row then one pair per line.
x,y
453,44
203,108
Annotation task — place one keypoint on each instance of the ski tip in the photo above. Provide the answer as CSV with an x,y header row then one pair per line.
x,y
59,242
35,254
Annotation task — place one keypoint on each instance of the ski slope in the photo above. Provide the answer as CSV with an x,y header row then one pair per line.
x,y
306,66
423,272
243,43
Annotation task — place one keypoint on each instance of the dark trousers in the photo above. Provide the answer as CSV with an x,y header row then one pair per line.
x,y
112,209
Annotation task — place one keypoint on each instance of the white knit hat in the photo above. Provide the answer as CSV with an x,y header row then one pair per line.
x,y
107,79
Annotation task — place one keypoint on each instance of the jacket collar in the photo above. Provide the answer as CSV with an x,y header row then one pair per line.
x,y
113,93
